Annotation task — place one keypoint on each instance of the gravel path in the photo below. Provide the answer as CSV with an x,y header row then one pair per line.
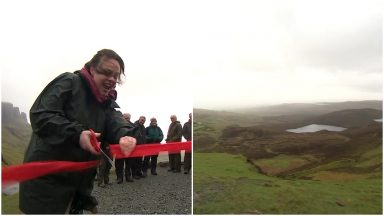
x,y
166,193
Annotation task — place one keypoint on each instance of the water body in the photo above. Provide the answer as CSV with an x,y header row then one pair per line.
x,y
315,127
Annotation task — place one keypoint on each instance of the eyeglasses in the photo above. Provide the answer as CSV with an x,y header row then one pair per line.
x,y
108,73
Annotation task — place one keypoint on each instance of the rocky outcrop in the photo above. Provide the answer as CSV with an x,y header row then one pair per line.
x,y
11,115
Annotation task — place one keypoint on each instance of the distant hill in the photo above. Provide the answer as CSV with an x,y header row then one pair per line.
x,y
311,108
15,134
348,118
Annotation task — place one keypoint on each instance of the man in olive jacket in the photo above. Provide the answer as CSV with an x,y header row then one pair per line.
x,y
174,135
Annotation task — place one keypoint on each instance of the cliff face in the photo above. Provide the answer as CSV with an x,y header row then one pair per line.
x,y
11,115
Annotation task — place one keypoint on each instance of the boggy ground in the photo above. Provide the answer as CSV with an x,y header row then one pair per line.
x,y
167,193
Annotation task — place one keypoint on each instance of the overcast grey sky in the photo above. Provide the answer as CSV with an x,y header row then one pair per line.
x,y
269,52
41,39
207,54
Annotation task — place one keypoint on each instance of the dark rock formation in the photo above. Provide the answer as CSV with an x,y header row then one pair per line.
x,y
11,115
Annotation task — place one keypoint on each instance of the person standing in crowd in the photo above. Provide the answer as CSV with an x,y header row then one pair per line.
x,y
104,166
140,139
174,135
128,162
61,118
187,134
154,134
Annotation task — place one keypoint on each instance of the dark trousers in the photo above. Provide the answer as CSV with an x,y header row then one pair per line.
x,y
137,166
119,164
153,163
187,161
175,161
103,172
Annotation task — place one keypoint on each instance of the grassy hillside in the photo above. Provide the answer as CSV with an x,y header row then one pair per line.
x,y
15,136
271,171
227,184
10,204
15,140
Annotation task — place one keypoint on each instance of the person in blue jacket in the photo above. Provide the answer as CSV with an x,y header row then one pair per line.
x,y
154,134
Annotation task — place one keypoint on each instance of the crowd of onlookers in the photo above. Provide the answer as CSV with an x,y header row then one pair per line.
x,y
137,167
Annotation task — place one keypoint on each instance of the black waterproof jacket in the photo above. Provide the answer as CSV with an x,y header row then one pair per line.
x,y
62,111
187,130
139,133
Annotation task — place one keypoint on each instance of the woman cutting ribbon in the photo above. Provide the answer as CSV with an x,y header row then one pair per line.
x,y
61,118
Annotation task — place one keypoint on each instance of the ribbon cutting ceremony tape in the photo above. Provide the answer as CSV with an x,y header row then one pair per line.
x,y
151,149
27,171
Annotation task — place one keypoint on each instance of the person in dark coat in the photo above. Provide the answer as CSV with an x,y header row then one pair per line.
x,y
104,166
187,134
140,139
61,117
128,162
154,134
174,135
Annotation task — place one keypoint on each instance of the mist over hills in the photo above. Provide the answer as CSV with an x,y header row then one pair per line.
x,y
310,108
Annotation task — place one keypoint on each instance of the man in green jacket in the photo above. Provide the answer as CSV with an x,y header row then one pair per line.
x,y
174,135
154,134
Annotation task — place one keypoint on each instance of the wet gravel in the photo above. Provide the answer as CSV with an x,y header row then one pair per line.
x,y
167,193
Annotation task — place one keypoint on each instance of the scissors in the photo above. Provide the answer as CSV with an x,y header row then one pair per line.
x,y
95,145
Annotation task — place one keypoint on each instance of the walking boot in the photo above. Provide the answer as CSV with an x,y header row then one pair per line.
x,y
153,172
101,184
119,180
128,178
144,175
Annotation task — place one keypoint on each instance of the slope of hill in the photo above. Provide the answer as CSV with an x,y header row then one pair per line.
x,y
348,118
15,134
226,184
264,145
317,163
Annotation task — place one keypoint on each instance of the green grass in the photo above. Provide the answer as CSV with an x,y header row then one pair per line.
x,y
282,163
10,204
371,157
226,184
14,142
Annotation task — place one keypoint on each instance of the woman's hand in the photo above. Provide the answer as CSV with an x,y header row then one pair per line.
x,y
85,142
127,144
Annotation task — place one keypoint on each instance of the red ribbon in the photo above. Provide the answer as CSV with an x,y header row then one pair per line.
x,y
152,149
28,171
19,173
